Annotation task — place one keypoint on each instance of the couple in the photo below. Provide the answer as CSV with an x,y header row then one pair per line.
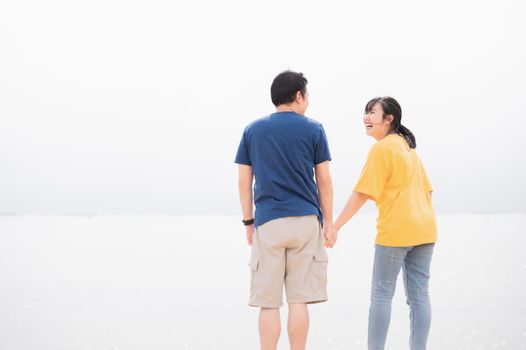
x,y
293,223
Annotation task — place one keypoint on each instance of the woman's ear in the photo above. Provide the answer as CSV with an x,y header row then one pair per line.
x,y
389,118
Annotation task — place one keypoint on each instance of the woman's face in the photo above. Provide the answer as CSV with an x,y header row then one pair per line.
x,y
375,124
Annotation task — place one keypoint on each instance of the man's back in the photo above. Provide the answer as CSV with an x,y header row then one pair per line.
x,y
283,149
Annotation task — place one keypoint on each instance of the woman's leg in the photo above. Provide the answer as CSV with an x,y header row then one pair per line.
x,y
416,280
387,264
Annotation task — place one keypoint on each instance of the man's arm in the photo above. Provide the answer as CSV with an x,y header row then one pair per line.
x,y
325,191
246,178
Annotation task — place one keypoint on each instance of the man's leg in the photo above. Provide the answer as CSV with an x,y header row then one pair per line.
x,y
305,275
387,264
269,328
298,326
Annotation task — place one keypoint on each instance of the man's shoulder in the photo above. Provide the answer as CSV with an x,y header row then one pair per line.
x,y
270,120
313,123
309,125
258,123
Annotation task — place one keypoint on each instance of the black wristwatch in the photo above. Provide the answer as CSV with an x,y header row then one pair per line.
x,y
247,222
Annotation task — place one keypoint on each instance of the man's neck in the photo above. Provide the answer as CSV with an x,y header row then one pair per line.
x,y
287,108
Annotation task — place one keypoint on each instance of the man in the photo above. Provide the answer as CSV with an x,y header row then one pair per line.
x,y
293,215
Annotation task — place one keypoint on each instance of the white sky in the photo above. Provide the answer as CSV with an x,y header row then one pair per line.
x,y
138,107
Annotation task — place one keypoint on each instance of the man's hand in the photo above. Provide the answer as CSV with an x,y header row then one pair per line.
x,y
331,235
250,232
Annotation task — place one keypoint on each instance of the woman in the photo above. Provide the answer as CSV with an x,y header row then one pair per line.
x,y
395,179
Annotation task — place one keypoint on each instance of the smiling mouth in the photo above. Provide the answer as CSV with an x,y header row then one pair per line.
x,y
369,126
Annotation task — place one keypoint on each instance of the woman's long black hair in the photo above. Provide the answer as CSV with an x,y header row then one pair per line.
x,y
392,107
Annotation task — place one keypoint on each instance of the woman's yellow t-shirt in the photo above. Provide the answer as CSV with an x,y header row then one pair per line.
x,y
396,180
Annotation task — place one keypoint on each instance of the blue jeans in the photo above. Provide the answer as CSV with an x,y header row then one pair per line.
x,y
415,262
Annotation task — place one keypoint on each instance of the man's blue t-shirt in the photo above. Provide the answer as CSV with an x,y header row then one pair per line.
x,y
283,149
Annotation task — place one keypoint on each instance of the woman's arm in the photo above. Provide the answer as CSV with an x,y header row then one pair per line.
x,y
355,202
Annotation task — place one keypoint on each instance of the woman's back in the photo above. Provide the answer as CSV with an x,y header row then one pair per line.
x,y
395,179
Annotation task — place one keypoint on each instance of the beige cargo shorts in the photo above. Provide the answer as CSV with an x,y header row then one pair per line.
x,y
288,251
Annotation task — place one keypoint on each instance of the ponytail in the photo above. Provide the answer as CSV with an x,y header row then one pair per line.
x,y
407,135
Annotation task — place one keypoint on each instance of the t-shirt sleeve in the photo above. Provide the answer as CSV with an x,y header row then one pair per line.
x,y
243,155
425,180
375,173
321,148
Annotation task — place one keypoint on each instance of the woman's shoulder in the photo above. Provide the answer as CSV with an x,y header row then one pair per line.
x,y
387,144
380,150
394,143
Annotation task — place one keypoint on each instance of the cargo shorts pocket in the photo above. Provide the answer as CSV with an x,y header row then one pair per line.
x,y
320,261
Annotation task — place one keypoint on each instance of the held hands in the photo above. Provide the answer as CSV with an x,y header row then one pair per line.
x,y
331,235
